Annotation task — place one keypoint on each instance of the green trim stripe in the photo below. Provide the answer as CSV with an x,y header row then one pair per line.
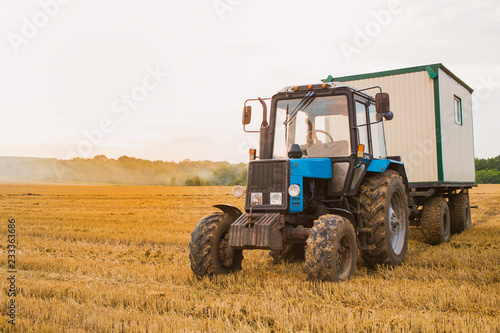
x,y
431,72
381,74
437,111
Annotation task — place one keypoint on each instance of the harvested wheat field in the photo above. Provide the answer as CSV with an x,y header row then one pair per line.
x,y
115,259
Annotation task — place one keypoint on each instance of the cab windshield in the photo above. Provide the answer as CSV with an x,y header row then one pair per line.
x,y
320,128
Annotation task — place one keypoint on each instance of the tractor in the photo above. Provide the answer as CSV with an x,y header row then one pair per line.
x,y
319,188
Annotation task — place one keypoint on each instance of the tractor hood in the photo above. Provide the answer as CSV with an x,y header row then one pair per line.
x,y
307,168
269,182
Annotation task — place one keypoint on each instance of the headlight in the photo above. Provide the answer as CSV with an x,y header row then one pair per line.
x,y
256,198
238,191
275,198
294,190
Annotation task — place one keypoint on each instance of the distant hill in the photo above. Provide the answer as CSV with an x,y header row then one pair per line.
x,y
123,171
134,171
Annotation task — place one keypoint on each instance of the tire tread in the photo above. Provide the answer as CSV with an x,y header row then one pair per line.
x,y
203,239
431,221
373,198
320,248
458,220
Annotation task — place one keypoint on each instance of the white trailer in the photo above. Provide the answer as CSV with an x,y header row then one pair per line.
x,y
432,128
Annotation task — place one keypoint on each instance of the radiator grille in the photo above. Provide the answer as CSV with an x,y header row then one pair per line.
x,y
266,177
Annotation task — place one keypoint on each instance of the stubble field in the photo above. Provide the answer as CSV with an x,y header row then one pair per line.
x,y
115,259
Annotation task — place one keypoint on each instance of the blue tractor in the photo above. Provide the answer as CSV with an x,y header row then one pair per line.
x,y
321,188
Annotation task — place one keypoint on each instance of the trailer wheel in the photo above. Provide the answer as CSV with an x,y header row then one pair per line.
x,y
209,252
291,253
331,249
460,219
384,209
435,221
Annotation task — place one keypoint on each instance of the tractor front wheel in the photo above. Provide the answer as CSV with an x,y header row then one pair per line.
x,y
331,249
209,252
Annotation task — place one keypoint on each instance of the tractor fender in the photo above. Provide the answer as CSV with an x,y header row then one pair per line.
x,y
344,213
381,165
232,211
400,168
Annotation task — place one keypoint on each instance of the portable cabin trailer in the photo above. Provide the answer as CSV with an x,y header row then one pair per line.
x,y
432,128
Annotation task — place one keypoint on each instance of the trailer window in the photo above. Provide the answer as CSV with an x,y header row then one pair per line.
x,y
458,111
321,129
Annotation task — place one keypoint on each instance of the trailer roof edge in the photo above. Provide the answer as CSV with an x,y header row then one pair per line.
x,y
402,71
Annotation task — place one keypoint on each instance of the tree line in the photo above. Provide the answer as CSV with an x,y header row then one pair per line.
x,y
124,171
488,170
135,171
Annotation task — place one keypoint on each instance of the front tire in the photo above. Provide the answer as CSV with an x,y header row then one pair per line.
x,y
435,221
209,252
384,209
331,249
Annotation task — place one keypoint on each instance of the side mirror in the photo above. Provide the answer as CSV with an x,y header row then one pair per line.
x,y
247,115
382,103
389,115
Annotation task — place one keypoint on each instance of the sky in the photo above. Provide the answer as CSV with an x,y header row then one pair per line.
x,y
166,80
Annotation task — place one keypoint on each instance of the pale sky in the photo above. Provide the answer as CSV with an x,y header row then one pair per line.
x,y
166,80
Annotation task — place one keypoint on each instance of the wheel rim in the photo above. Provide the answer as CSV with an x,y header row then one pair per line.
x,y
397,225
225,253
344,258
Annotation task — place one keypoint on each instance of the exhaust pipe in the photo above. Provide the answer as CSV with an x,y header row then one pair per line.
x,y
264,133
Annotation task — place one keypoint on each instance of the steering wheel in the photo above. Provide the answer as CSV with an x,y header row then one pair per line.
x,y
321,131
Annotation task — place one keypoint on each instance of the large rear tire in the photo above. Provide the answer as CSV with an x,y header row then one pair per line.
x,y
331,249
460,219
435,221
209,252
384,209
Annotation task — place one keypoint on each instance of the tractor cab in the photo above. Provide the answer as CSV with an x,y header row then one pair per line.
x,y
328,120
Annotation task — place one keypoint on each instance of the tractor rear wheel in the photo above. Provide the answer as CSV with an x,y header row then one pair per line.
x,y
435,221
384,210
331,249
209,252
291,253
460,219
